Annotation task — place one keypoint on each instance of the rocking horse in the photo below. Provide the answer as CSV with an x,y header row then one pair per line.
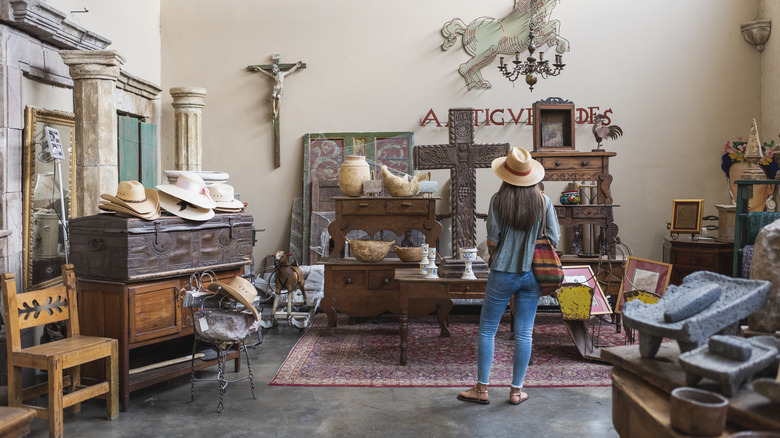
x,y
288,277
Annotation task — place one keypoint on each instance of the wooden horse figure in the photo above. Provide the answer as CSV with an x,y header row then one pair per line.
x,y
288,277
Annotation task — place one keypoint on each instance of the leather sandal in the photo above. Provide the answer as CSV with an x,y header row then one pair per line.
x,y
517,396
478,399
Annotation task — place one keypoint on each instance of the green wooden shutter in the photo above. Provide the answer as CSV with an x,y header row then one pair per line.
x,y
148,155
128,149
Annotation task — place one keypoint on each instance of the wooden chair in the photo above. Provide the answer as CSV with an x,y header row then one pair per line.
x,y
45,306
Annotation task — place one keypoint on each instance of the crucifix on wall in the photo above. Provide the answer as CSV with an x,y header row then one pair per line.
x,y
277,72
462,157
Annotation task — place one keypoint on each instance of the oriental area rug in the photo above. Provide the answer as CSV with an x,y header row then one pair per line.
x,y
367,354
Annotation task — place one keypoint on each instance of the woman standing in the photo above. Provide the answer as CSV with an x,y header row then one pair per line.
x,y
517,212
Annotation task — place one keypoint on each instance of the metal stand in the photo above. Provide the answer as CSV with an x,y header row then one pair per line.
x,y
222,352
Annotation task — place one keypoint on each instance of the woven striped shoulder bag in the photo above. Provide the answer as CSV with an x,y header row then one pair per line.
x,y
547,267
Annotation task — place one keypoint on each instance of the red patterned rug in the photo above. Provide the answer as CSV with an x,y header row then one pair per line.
x,y
367,354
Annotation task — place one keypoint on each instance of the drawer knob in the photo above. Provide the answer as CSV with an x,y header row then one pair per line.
x,y
362,204
695,260
467,289
348,280
385,281
584,162
558,162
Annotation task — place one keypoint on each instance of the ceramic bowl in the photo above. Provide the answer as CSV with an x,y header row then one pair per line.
x,y
366,250
408,254
570,197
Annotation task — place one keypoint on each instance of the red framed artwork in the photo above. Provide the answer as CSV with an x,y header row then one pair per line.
x,y
644,275
584,275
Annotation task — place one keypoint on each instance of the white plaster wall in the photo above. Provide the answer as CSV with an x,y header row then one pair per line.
x,y
678,76
770,65
132,26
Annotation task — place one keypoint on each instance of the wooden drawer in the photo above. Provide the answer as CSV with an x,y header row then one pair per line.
x,y
572,164
154,310
464,288
361,207
407,207
698,259
382,280
348,280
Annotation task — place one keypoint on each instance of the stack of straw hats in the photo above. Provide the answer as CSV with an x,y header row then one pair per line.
x,y
188,198
132,200
224,197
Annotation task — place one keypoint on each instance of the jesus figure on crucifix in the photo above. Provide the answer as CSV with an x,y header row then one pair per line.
x,y
278,76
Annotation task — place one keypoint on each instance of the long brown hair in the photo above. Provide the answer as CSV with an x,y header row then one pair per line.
x,y
519,206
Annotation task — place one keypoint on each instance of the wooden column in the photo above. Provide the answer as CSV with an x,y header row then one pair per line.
x,y
188,103
94,74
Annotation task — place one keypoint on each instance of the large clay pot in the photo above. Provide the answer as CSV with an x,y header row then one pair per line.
x,y
352,172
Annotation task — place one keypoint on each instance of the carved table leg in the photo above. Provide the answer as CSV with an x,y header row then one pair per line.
x,y
331,312
403,320
443,316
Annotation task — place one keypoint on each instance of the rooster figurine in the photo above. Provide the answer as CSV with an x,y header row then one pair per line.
x,y
602,131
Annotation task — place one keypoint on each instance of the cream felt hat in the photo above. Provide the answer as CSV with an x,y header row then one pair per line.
x,y
133,196
189,187
184,209
240,289
110,206
518,168
224,197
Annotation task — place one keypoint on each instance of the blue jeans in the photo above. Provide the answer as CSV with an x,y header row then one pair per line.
x,y
501,287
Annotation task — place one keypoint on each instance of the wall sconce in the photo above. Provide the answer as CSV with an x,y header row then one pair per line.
x,y
757,32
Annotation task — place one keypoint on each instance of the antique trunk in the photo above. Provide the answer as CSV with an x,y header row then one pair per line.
x,y
108,247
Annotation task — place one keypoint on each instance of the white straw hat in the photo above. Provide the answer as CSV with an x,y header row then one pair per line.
x,y
189,187
518,168
184,209
223,195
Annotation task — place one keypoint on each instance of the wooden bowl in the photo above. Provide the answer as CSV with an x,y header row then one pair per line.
x,y
366,250
408,254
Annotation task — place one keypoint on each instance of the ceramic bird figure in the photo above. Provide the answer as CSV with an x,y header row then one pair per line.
x,y
401,185
602,131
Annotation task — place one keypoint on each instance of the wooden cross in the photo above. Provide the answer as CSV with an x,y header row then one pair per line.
x,y
462,157
277,72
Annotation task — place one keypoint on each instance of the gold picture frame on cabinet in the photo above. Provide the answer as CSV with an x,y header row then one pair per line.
x,y
686,216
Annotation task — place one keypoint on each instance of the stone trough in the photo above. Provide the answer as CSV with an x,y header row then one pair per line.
x,y
729,360
708,311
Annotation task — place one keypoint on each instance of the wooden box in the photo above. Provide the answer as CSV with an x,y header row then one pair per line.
x,y
112,248
554,125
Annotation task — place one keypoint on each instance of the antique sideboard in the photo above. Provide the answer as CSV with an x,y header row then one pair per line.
x,y
584,166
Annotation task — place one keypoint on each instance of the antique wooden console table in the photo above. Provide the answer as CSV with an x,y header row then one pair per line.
x,y
687,256
372,215
583,166
641,389
414,286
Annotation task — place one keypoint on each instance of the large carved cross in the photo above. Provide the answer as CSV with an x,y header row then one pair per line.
x,y
462,157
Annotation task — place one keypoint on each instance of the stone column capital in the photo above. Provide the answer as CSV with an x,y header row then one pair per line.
x,y
188,97
93,64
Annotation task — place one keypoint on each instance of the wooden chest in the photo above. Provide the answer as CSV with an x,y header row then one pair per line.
x,y
108,247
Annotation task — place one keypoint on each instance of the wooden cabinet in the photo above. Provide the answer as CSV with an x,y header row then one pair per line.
x,y
150,323
366,289
688,256
372,215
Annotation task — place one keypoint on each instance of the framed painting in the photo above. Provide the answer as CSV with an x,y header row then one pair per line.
x,y
643,275
554,123
322,156
686,215
584,275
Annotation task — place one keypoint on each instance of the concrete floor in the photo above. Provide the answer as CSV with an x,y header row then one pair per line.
x,y
291,411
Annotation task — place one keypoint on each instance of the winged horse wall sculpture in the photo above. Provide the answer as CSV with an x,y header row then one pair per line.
x,y
486,37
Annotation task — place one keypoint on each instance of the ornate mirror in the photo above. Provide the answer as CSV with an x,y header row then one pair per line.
x,y
49,193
